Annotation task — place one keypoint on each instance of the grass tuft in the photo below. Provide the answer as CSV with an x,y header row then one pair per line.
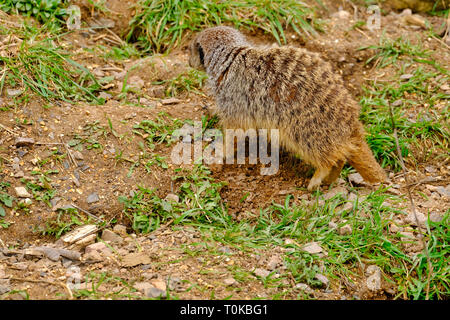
x,y
159,25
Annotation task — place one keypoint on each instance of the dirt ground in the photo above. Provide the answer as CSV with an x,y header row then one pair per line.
x,y
98,171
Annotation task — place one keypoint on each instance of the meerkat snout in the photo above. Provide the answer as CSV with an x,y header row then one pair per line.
x,y
289,89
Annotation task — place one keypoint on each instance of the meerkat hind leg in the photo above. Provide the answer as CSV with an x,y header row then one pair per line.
x,y
317,178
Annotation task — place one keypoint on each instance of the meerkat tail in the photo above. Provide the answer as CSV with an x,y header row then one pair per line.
x,y
364,162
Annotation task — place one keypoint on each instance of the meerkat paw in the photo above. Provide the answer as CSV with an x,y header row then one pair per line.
x,y
314,184
318,177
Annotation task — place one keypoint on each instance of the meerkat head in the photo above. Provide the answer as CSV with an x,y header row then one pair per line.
x,y
209,40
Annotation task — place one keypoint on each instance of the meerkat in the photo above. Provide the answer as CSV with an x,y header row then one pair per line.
x,y
289,89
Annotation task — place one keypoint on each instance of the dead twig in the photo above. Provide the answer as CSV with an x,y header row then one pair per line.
x,y
441,42
9,130
61,284
87,212
69,153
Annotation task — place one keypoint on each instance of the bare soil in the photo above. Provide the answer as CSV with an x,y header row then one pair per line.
x,y
100,172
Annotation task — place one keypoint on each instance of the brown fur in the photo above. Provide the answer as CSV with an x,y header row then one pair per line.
x,y
289,89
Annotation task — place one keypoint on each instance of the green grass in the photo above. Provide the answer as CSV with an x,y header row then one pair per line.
x,y
412,98
159,25
189,81
35,62
157,131
389,50
370,242
42,10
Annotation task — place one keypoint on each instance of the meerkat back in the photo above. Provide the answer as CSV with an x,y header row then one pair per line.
x,y
288,89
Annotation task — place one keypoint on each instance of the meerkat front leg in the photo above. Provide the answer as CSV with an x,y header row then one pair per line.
x,y
335,172
317,178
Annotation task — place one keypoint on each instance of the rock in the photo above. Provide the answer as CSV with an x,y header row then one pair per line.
x,y
24,142
415,20
347,206
19,174
356,178
153,292
430,169
225,249
335,191
135,82
120,230
274,261
175,284
341,14
261,273
134,259
411,219
444,192
345,230
393,228
436,217
13,92
406,12
79,233
4,289
230,282
108,235
78,155
312,248
171,101
159,284
406,76
172,197
142,286
303,287
407,235
93,256
22,192
322,279
92,198
373,282
98,247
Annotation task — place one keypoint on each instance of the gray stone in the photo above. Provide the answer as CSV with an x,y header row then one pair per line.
x,y
13,92
172,197
93,197
373,282
171,101
77,155
22,142
445,192
356,178
261,272
312,248
22,192
335,191
436,217
120,230
322,279
108,235
345,230
303,287
411,219
135,82
274,261
153,292
4,289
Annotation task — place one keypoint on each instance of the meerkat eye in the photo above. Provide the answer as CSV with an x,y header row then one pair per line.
x,y
201,54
